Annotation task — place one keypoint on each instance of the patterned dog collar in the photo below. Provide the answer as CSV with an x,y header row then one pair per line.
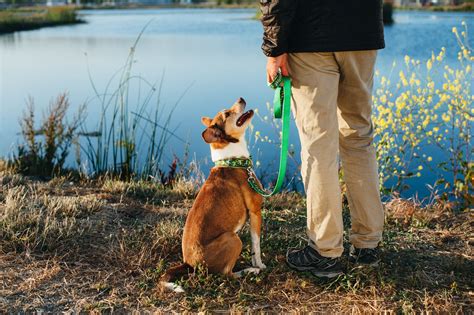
x,y
235,163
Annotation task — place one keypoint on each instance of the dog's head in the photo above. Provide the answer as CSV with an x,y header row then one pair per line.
x,y
227,126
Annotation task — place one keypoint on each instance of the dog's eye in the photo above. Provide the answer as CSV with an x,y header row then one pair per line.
x,y
226,114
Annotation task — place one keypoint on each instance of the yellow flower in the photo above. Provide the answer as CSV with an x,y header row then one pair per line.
x,y
431,85
403,78
429,159
445,117
465,53
454,30
429,64
420,167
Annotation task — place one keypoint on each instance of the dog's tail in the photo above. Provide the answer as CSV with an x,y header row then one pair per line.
x,y
174,273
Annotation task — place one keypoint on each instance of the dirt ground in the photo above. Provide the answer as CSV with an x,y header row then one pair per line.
x,y
102,245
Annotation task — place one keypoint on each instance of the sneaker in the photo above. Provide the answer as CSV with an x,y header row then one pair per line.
x,y
364,256
308,259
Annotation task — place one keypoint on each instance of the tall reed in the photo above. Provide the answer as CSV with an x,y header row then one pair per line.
x,y
131,136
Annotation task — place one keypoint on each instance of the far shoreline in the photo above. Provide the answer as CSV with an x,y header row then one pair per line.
x,y
32,18
466,7
14,20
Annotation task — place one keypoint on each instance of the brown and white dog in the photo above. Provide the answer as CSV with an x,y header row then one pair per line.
x,y
221,206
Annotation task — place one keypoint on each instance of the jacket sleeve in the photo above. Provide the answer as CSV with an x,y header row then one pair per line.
x,y
277,16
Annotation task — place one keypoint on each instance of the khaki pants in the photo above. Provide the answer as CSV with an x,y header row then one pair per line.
x,y
332,108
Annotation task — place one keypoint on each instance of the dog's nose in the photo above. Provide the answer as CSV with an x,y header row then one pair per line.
x,y
241,100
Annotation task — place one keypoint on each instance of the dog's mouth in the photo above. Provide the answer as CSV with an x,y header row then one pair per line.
x,y
245,116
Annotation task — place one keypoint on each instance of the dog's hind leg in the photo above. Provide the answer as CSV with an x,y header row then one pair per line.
x,y
172,274
221,254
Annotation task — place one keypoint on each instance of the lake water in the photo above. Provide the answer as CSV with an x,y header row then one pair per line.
x,y
216,53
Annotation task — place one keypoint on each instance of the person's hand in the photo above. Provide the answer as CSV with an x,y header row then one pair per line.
x,y
277,63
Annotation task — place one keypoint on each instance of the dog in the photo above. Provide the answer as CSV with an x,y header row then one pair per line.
x,y
222,204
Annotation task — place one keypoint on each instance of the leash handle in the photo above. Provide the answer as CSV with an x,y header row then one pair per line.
x,y
278,84
281,110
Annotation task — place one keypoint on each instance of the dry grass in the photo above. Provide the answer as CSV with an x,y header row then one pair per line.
x,y
102,246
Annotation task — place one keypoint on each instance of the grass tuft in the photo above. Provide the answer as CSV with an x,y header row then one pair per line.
x,y
33,221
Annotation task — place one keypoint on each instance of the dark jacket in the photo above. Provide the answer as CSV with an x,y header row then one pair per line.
x,y
321,25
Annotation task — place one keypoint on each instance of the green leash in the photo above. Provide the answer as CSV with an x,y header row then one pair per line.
x,y
281,110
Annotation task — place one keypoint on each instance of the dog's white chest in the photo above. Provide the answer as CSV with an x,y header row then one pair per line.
x,y
231,150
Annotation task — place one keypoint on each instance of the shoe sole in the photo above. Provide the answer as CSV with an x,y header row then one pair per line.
x,y
373,264
327,274
319,274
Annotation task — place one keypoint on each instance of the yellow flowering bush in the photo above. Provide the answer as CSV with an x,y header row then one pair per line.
x,y
427,108
423,119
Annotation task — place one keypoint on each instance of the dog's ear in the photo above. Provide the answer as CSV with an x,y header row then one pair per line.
x,y
212,135
206,121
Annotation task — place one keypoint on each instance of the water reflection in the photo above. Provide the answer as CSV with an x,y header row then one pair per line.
x,y
215,51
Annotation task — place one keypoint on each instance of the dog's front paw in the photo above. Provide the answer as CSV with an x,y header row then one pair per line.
x,y
251,270
260,265
257,262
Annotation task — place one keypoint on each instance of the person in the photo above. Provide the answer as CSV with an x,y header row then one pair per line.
x,y
329,48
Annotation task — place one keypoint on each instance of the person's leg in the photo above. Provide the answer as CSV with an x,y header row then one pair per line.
x,y
315,80
356,149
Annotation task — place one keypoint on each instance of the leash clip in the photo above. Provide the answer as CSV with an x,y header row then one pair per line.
x,y
251,175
